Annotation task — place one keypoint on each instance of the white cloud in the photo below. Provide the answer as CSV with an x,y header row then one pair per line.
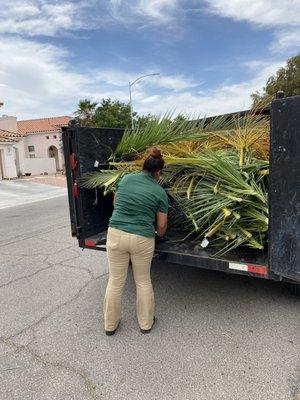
x,y
177,82
114,77
223,99
36,17
258,12
284,15
52,18
158,10
121,78
36,81
150,99
287,39
153,11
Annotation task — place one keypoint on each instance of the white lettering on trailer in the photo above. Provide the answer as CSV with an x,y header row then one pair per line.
x,y
240,267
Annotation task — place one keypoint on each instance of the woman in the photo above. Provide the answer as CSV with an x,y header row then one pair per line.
x,y
139,202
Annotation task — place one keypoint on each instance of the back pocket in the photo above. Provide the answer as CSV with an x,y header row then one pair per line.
x,y
113,239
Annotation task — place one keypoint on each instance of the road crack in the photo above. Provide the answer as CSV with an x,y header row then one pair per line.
x,y
25,236
29,275
55,309
89,385
39,253
78,268
9,341
49,266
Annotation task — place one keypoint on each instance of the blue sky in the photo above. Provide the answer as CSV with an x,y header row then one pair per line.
x,y
211,54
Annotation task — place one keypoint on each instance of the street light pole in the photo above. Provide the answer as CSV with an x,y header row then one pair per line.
x,y
130,102
130,84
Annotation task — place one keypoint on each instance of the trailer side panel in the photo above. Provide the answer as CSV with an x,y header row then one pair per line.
x,y
284,231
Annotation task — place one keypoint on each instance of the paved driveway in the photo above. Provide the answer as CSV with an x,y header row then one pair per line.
x,y
218,337
17,192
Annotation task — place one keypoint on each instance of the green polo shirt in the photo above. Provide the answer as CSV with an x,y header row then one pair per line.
x,y
139,198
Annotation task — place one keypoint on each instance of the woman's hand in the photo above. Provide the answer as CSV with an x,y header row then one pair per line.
x,y
162,223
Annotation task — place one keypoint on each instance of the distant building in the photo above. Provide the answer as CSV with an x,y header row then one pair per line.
x,y
30,146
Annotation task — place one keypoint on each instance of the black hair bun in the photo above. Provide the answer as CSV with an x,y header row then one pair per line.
x,y
154,162
156,153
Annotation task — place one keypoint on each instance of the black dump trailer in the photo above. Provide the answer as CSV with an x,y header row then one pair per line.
x,y
87,149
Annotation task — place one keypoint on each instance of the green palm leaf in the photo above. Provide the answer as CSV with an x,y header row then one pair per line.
x,y
104,178
220,195
160,131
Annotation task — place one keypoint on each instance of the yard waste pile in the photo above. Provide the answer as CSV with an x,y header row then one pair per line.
x,y
216,175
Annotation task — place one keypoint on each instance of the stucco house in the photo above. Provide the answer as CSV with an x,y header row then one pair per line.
x,y
30,146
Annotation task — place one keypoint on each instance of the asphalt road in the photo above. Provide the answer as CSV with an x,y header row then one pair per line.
x,y
218,336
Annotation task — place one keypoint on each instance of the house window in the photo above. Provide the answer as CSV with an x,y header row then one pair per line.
x,y
54,136
30,148
47,137
31,155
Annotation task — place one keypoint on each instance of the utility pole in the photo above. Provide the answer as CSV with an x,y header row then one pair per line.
x,y
130,94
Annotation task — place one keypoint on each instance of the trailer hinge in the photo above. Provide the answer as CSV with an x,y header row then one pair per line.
x,y
75,190
73,161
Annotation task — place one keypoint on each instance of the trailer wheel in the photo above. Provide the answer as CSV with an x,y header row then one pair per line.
x,y
294,289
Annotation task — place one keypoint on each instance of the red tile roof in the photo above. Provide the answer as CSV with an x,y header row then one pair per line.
x,y
9,137
42,125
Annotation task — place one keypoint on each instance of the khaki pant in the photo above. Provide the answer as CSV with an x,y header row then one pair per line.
x,y
121,247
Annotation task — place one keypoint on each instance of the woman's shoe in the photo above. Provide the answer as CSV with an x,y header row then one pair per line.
x,y
110,333
148,330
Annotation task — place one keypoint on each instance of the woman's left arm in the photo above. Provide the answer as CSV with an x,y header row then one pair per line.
x,y
161,223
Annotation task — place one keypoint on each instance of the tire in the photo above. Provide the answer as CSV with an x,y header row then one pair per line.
x,y
294,289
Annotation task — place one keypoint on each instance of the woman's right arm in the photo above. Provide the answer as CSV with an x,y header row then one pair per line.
x,y
161,223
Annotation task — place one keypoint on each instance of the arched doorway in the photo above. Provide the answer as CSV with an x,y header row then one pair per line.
x,y
53,153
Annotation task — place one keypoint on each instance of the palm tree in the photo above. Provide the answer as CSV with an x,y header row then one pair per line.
x,y
85,112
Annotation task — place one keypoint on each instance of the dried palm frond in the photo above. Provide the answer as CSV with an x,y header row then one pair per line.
x,y
247,135
160,131
220,203
215,173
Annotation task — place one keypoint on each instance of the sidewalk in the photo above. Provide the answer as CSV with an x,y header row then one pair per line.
x,y
23,191
53,180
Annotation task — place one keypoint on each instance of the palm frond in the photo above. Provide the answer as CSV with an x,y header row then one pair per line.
x,y
103,179
216,175
164,130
